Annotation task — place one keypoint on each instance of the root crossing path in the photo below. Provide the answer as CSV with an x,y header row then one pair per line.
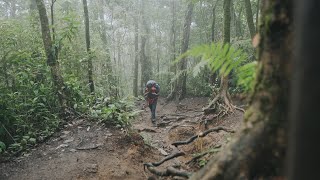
x,y
87,150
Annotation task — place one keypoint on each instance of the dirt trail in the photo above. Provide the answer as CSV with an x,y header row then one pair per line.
x,y
86,150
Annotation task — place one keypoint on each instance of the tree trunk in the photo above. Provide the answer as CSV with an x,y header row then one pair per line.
x,y
224,83
136,57
173,67
303,149
87,29
146,67
249,17
13,8
104,39
257,15
238,23
58,82
258,150
184,47
213,76
213,21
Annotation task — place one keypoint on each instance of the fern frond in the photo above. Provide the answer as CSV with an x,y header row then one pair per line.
x,y
225,58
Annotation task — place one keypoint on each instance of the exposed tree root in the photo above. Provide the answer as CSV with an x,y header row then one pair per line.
x,y
190,140
164,159
88,148
170,171
212,150
177,125
173,118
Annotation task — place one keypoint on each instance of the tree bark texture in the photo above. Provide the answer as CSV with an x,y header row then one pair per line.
x,y
51,60
304,120
182,80
87,31
259,148
249,16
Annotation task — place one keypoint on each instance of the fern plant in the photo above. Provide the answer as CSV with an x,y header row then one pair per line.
x,y
225,59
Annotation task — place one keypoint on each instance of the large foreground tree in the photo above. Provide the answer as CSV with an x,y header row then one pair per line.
x,y
304,121
259,148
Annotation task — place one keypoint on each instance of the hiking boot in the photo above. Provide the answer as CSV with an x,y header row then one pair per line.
x,y
154,122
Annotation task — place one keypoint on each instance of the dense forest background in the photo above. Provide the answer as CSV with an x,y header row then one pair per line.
x,y
65,60
106,51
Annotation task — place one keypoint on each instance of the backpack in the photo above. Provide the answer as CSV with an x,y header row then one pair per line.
x,y
152,87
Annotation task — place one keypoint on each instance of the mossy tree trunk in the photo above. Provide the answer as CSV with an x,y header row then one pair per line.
x,y
259,148
52,62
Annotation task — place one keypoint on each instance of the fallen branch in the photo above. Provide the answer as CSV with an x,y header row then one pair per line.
x,y
164,160
170,171
190,140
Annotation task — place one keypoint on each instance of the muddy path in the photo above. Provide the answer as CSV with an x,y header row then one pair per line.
x,y
87,150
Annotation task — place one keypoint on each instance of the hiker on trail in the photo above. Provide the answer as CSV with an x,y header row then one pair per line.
x,y
151,95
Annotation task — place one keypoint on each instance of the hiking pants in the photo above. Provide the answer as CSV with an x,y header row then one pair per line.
x,y
153,107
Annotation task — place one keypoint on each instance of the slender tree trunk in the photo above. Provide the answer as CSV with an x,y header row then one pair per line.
x,y
158,54
213,76
213,21
146,66
58,82
236,19
56,48
136,57
103,35
224,83
173,67
184,47
303,149
119,69
87,29
238,23
249,18
13,8
257,15
258,150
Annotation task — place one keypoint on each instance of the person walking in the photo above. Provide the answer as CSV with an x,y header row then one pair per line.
x,y
151,95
